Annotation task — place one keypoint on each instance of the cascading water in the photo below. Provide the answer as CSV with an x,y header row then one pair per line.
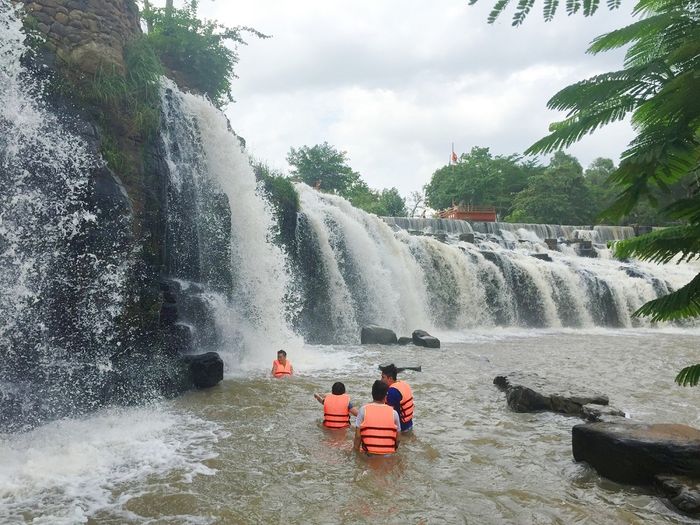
x,y
247,288
61,287
506,276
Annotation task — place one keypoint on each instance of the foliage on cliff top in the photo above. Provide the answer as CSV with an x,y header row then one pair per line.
x,y
195,50
326,168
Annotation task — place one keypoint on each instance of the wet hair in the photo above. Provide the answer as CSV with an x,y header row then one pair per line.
x,y
389,371
338,388
282,352
379,390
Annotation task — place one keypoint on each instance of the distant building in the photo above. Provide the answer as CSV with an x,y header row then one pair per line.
x,y
469,212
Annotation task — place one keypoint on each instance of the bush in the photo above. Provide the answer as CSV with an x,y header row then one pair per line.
x,y
194,50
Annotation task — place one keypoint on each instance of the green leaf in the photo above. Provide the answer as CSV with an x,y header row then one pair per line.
x,y
689,376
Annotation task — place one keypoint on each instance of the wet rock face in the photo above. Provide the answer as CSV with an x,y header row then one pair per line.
x,y
376,335
637,452
532,393
423,338
87,34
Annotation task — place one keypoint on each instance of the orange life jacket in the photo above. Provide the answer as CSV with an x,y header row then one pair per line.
x,y
335,411
281,370
378,430
406,412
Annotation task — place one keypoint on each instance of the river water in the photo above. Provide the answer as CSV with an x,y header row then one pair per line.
x,y
251,450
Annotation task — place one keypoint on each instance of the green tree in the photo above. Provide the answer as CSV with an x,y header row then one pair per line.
x,y
558,195
324,166
658,86
481,179
391,203
195,50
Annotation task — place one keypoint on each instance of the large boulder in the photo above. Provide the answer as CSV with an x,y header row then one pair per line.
x,y
376,335
532,393
637,452
206,370
423,338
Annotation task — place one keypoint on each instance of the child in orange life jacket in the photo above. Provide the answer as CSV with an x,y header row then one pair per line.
x,y
377,424
336,407
280,366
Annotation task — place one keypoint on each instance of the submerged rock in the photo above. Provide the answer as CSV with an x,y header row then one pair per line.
x,y
403,341
532,393
376,335
682,492
423,338
637,452
542,256
595,413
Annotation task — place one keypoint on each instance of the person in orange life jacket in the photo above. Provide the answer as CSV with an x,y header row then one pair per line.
x,y
336,407
399,396
280,366
377,424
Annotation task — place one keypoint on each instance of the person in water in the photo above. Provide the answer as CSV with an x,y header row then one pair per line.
x,y
377,424
281,367
399,396
336,407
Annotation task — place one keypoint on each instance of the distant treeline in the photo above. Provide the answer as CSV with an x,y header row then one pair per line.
x,y
523,190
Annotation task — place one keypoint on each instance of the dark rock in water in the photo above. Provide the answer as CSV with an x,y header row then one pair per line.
x,y
541,256
403,341
552,244
467,237
532,393
633,272
636,452
206,370
423,338
376,335
682,492
490,256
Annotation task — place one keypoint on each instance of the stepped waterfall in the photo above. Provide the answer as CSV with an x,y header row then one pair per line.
x,y
417,273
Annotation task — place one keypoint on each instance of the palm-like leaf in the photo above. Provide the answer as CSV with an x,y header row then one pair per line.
x,y
689,376
662,246
681,304
587,7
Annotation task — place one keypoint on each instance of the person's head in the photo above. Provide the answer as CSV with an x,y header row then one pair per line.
x,y
338,388
281,356
388,373
379,390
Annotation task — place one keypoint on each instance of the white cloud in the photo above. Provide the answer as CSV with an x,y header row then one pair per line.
x,y
394,83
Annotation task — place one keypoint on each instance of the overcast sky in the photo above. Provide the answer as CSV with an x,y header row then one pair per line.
x,y
395,83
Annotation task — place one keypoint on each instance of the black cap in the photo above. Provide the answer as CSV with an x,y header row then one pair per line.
x,y
389,370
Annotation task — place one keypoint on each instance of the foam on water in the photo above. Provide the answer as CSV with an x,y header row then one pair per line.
x,y
68,470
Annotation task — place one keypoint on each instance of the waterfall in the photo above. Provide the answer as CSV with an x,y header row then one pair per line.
x,y
417,273
61,287
246,282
